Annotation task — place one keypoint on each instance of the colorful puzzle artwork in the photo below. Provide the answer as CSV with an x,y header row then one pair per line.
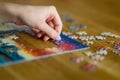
x,y
13,52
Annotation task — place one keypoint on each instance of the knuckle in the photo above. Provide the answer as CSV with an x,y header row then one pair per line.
x,y
53,7
61,24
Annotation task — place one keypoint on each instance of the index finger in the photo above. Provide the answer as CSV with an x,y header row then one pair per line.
x,y
57,22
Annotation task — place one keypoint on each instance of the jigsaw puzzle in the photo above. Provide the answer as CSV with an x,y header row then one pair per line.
x,y
13,52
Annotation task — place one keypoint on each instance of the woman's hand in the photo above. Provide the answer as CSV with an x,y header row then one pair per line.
x,y
44,20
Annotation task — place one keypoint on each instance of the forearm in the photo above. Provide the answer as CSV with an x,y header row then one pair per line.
x,y
9,12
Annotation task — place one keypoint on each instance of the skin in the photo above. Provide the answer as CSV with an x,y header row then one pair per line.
x,y
44,20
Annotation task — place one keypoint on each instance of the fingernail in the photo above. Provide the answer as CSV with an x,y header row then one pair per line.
x,y
39,35
58,38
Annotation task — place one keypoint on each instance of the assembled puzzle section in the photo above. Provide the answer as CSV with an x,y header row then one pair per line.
x,y
13,52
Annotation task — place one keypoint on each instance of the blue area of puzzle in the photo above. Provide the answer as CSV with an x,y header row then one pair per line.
x,y
77,45
9,53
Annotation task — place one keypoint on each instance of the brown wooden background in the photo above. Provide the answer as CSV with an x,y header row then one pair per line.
x,y
98,15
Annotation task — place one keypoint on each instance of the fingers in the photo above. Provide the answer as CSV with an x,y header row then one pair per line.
x,y
38,33
47,25
46,38
48,30
35,30
50,24
55,19
57,23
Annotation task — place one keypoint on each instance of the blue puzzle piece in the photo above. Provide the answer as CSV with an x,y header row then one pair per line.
x,y
74,28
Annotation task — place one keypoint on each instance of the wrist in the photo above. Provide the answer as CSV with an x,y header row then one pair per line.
x,y
8,12
14,10
11,8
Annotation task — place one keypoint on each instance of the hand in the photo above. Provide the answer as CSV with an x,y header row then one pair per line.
x,y
44,21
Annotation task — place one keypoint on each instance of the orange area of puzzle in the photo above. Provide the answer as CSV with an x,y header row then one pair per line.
x,y
99,16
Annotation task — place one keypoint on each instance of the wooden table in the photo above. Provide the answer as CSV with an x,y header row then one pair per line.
x,y
99,16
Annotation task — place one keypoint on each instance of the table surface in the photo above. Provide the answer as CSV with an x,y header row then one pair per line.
x,y
99,16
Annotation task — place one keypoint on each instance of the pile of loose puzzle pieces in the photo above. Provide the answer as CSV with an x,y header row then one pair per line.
x,y
101,51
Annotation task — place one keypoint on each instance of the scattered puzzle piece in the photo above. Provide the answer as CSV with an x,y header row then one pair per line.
x,y
89,67
76,59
